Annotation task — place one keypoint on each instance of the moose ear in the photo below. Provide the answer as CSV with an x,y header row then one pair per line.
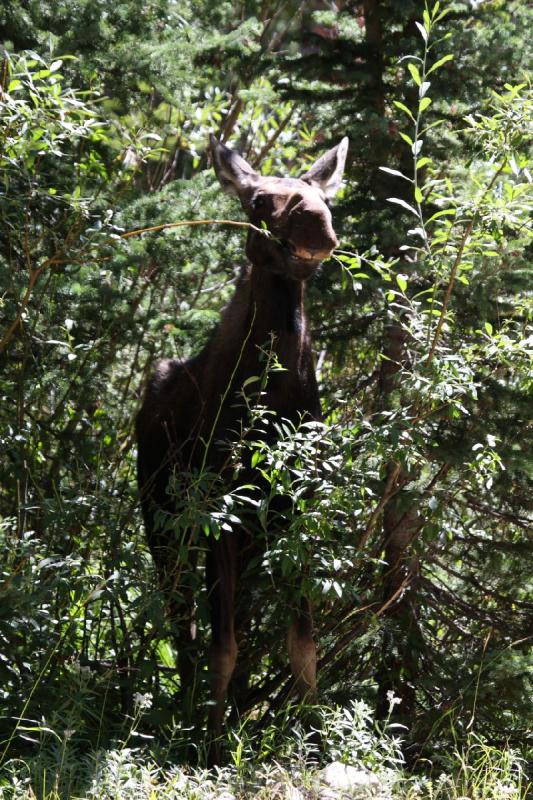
x,y
326,173
233,172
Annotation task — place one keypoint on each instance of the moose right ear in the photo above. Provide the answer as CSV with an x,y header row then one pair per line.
x,y
233,172
326,173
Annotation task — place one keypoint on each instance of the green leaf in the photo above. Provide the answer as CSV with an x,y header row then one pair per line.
x,y
425,103
401,280
439,63
418,195
418,232
422,162
433,125
407,139
395,172
423,31
427,20
488,328
257,457
402,203
404,108
443,13
415,74
13,85
444,213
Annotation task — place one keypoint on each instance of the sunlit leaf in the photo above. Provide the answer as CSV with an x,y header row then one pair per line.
x,y
403,203
440,63
404,108
406,138
401,280
395,172
423,31
415,74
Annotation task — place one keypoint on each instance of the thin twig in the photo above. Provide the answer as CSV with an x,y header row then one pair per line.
x,y
388,492
273,139
192,223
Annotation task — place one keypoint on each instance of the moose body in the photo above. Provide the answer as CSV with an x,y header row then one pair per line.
x,y
190,411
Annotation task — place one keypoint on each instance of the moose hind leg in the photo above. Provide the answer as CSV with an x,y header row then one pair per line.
x,y
221,580
302,652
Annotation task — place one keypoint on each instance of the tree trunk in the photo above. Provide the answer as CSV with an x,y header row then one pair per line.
x,y
401,523
399,661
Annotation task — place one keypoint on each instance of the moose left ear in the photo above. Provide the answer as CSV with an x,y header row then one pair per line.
x,y
326,173
234,173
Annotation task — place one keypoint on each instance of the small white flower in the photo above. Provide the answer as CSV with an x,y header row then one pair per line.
x,y
505,790
142,701
392,699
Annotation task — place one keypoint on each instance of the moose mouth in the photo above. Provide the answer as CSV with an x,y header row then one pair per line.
x,y
300,267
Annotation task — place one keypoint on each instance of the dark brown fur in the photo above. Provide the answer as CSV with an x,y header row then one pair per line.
x,y
184,408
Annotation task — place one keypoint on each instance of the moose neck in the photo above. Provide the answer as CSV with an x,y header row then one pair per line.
x,y
276,305
266,310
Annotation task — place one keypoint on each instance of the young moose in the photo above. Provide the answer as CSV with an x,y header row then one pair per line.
x,y
191,406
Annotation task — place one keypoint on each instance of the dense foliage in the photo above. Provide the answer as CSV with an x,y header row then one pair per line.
x,y
414,538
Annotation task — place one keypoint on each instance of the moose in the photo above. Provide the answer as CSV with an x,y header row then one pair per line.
x,y
190,411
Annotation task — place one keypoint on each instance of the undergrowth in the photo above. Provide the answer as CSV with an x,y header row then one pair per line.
x,y
283,761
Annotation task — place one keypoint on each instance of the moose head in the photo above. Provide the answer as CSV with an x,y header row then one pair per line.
x,y
294,210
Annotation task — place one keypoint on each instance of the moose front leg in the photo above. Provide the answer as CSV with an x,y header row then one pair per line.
x,y
302,651
221,569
